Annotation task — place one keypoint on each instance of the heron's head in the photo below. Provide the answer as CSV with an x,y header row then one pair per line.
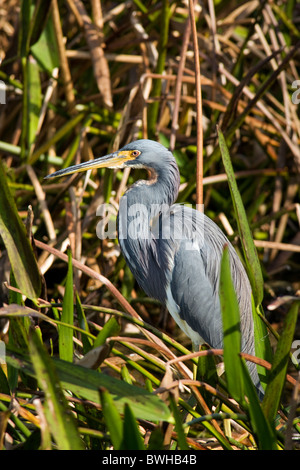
x,y
142,153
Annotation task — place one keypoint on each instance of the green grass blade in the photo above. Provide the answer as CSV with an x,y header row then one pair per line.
x,y
74,145
24,34
262,342
10,148
181,437
24,40
231,329
125,374
25,123
34,99
57,411
83,324
132,439
65,340
156,441
17,244
260,426
251,258
39,20
45,49
277,375
262,346
207,372
61,133
111,328
112,418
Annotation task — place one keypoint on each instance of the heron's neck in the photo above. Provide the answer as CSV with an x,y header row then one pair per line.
x,y
143,201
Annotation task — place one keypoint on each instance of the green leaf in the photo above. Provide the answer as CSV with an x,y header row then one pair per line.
x,y
111,328
156,441
65,339
261,427
181,437
45,50
231,330
277,374
262,345
17,244
24,34
10,148
112,418
34,99
85,383
249,249
83,324
125,374
262,342
57,411
132,439
39,19
207,372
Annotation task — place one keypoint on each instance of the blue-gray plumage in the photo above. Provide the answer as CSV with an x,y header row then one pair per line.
x,y
175,251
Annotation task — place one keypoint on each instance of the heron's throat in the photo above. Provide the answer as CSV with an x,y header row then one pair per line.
x,y
139,210
145,200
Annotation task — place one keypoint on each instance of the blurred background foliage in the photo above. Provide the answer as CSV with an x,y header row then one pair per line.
x,y
79,79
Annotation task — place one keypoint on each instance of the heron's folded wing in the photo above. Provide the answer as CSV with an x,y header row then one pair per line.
x,y
193,295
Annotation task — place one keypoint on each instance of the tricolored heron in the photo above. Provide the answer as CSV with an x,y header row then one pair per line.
x,y
175,251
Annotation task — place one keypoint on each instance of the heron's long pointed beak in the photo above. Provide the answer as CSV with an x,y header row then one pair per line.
x,y
113,160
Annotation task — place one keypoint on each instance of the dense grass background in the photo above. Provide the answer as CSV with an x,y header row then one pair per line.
x,y
90,361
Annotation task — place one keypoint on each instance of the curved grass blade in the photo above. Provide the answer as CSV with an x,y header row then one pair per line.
x,y
251,258
238,378
17,244
261,427
250,254
231,329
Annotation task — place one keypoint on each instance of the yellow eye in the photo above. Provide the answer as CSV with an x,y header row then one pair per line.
x,y
135,153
